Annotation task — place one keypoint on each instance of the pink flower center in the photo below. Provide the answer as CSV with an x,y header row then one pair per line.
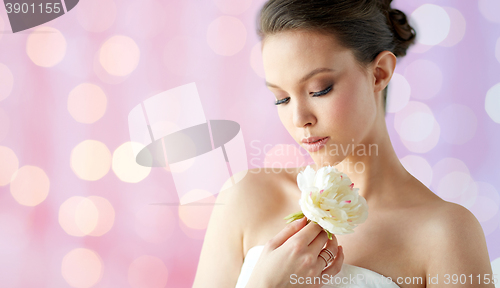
x,y
320,192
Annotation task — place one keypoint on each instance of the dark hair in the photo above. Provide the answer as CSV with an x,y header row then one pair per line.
x,y
368,27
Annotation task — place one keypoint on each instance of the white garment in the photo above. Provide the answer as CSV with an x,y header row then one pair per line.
x,y
349,276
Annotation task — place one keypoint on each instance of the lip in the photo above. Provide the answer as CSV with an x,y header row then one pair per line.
x,y
313,147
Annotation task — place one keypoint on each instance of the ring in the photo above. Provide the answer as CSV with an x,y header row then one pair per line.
x,y
326,262
330,256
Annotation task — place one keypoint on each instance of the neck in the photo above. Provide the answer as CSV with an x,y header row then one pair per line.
x,y
373,166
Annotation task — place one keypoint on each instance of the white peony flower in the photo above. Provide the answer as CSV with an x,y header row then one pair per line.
x,y
330,199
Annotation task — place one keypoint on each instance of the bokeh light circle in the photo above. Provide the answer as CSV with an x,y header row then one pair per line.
x,y
119,55
490,10
90,160
87,103
398,93
417,126
125,166
196,214
233,7
467,198
46,46
453,185
492,103
414,122
484,208
432,23
147,272
256,60
457,27
458,123
103,75
67,220
489,191
445,166
8,165
419,168
426,144
6,81
419,48
96,15
226,35
155,223
425,79
106,214
86,216
81,268
29,185
80,216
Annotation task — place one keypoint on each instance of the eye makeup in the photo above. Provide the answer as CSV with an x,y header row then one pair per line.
x,y
278,102
315,94
323,92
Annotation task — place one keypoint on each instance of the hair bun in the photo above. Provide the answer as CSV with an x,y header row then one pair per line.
x,y
404,34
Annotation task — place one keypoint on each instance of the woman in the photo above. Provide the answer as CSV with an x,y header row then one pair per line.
x,y
328,64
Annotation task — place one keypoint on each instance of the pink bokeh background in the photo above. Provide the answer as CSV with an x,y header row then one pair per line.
x,y
75,209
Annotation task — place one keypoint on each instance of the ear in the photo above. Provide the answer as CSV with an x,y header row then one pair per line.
x,y
383,68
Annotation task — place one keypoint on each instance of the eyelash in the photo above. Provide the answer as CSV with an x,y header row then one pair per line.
x,y
315,94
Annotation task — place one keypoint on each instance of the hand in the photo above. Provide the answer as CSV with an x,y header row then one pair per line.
x,y
293,253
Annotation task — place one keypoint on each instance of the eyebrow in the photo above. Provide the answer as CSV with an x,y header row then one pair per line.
x,y
309,75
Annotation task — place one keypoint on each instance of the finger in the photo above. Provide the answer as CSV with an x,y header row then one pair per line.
x,y
336,265
327,254
327,243
308,233
289,230
332,246
319,242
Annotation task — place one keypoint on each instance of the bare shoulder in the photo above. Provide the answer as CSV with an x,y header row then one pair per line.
x,y
222,252
436,216
255,196
262,199
448,221
455,242
443,221
250,190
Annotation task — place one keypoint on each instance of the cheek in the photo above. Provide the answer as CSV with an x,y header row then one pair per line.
x,y
349,114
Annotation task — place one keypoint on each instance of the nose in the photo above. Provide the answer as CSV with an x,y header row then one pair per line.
x,y
303,116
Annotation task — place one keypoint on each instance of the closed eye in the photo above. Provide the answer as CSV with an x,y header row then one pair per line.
x,y
323,92
315,94
284,100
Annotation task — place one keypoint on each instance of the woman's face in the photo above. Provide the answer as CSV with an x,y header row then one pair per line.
x,y
323,90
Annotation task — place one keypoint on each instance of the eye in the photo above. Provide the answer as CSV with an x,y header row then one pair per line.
x,y
323,92
284,100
